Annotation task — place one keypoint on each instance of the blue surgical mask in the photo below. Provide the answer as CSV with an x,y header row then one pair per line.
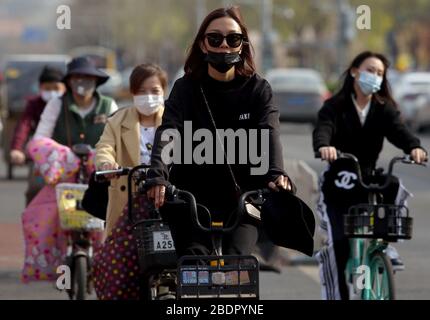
x,y
369,83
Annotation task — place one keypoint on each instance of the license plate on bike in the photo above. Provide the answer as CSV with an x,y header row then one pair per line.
x,y
163,241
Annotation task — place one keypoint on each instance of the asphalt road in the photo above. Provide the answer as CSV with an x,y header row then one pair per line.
x,y
295,282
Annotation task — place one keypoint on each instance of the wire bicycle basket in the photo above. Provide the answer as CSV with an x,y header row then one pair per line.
x,y
381,221
218,277
154,241
72,215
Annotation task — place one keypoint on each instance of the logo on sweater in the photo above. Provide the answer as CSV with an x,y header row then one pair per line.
x,y
244,116
345,180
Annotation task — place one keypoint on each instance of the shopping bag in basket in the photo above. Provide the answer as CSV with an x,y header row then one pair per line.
x,y
72,215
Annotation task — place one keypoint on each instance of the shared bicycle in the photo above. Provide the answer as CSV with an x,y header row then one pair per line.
x,y
370,228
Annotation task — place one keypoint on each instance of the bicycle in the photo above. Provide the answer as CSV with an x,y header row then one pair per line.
x,y
156,252
213,276
217,275
78,225
371,227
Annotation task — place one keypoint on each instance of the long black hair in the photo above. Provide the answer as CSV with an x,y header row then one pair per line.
x,y
383,96
195,64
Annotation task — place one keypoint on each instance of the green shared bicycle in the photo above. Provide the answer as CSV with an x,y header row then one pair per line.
x,y
371,227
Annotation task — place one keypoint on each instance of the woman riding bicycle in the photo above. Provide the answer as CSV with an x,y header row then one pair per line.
x,y
356,120
79,116
127,142
220,90
129,134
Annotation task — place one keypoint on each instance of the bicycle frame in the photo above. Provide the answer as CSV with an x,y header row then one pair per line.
x,y
361,251
79,242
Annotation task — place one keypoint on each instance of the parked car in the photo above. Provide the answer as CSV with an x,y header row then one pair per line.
x,y
298,93
412,93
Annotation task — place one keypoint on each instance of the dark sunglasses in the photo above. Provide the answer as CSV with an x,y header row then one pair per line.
x,y
215,39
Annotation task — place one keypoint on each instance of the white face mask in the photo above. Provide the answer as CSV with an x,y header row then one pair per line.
x,y
50,94
148,104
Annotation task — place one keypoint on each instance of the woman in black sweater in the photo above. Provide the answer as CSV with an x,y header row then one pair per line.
x,y
356,120
220,89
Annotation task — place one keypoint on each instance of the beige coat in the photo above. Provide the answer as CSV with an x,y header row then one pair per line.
x,y
120,144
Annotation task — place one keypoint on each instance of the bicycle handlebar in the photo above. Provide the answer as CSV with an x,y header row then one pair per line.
x,y
370,187
100,176
174,194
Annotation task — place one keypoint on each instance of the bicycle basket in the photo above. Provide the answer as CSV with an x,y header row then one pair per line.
x,y
218,277
382,221
72,216
155,245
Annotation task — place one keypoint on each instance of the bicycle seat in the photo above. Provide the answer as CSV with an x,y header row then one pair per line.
x,y
81,149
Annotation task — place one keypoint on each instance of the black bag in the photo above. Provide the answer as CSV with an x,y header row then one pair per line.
x,y
96,198
288,221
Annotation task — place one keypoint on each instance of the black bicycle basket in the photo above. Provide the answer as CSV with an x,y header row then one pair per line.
x,y
154,242
155,246
381,221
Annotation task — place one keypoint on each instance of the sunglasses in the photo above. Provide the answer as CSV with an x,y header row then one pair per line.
x,y
215,39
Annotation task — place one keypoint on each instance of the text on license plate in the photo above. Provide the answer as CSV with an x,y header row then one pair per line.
x,y
163,241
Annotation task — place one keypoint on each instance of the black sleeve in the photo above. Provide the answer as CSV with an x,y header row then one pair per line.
x,y
172,119
269,119
325,127
397,132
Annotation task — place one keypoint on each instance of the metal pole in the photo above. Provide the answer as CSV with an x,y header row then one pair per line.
x,y
266,34
340,47
200,12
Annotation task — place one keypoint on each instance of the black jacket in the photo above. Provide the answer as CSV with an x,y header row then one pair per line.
x,y
244,103
339,126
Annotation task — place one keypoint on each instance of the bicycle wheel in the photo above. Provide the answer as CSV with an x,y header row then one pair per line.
x,y
80,277
381,277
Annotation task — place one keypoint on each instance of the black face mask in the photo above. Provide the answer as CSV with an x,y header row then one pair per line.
x,y
222,62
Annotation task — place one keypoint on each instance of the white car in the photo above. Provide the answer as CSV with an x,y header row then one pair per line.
x,y
298,93
412,93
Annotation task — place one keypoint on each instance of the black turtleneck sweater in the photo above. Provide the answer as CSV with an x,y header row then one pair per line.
x,y
243,103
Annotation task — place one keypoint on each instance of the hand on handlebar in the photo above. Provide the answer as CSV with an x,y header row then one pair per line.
x,y
328,153
109,166
157,194
17,157
281,182
419,155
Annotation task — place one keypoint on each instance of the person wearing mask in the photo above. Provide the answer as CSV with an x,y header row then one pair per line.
x,y
127,142
50,86
356,120
80,115
129,134
220,90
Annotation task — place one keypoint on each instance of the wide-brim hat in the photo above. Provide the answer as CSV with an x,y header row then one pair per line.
x,y
288,221
84,65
